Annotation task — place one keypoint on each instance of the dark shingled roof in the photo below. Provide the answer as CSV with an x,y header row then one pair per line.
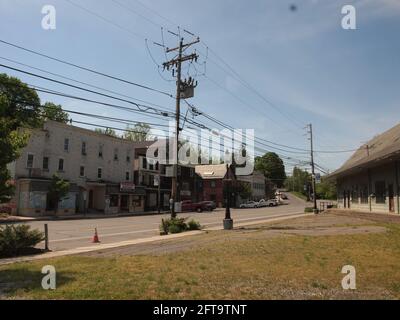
x,y
381,147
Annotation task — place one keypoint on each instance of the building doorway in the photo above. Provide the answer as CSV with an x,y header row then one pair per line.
x,y
344,199
90,204
124,203
391,198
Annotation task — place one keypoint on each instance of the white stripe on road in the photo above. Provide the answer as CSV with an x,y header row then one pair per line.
x,y
152,230
104,235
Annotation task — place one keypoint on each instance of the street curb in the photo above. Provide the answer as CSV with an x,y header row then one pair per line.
x,y
56,254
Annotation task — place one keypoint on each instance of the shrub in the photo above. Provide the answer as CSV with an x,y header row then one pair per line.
x,y
177,225
308,209
193,225
17,239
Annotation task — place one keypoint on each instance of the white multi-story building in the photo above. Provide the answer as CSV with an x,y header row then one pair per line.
x,y
257,184
98,167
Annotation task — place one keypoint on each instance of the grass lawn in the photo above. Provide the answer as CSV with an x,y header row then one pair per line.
x,y
254,263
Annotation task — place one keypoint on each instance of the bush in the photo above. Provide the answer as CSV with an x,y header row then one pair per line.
x,y
18,239
193,225
308,209
177,225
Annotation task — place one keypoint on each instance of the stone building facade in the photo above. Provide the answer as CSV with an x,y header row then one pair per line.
x,y
98,167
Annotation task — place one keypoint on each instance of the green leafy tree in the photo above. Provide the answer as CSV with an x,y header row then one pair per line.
x,y
243,189
139,132
19,107
326,189
58,189
54,112
298,180
108,131
271,165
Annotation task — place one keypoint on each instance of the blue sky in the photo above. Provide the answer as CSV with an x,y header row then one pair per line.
x,y
310,70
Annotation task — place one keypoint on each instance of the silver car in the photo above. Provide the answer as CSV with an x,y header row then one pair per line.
x,y
249,204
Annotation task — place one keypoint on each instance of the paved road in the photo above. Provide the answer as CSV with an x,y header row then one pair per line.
x,y
70,234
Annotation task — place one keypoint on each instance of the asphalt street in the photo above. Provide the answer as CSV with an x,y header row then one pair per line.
x,y
70,234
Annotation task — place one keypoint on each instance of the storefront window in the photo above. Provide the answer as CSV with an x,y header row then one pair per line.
x,y
114,200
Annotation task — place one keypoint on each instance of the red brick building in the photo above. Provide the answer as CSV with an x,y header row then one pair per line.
x,y
213,182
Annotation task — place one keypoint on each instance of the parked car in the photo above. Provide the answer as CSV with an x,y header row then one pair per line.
x,y
188,205
267,203
284,196
249,204
208,205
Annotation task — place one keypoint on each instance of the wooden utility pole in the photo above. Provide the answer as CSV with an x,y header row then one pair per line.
x,y
181,88
313,169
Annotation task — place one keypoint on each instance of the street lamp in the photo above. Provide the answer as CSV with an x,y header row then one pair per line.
x,y
228,221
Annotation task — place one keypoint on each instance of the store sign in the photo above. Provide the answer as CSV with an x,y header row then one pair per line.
x,y
186,193
156,180
126,186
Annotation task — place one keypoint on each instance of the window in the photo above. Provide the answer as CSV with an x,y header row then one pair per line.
x,y
115,154
364,194
151,166
29,161
60,164
114,200
354,194
128,156
212,184
66,144
127,175
82,171
144,165
100,151
99,173
380,192
83,149
45,163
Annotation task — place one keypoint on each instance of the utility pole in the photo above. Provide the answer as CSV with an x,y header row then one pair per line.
x,y
312,169
184,89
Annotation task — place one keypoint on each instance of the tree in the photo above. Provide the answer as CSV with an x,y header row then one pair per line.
x,y
6,187
19,107
300,181
326,189
54,112
243,189
108,131
58,189
271,165
139,132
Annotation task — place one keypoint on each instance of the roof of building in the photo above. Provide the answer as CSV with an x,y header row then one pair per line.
x,y
383,146
211,171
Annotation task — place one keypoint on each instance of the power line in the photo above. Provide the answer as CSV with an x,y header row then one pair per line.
x,y
81,82
86,69
139,106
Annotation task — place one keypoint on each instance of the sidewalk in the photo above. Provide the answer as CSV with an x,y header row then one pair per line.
x,y
16,219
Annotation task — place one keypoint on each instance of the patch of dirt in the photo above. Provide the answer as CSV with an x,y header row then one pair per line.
x,y
333,231
314,225
376,217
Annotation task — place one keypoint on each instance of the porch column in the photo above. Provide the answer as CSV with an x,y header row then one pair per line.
x,y
369,190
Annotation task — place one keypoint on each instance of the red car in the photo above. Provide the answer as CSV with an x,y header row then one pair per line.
x,y
188,205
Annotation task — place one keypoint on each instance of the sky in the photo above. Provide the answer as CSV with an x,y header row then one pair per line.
x,y
261,65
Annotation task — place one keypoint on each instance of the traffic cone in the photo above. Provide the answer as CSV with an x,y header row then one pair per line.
x,y
95,237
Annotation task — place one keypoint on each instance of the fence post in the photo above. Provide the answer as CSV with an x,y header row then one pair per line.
x,y
46,237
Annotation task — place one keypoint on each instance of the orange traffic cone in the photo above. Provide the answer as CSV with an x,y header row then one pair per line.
x,y
95,237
